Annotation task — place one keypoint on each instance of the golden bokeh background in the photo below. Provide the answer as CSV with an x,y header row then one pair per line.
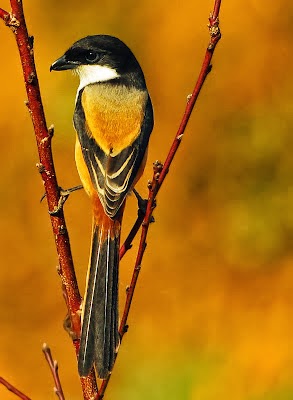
x,y
212,314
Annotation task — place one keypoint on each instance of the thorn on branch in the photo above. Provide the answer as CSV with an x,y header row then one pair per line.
x,y
152,219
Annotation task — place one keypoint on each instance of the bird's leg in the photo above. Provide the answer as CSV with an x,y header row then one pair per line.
x,y
64,194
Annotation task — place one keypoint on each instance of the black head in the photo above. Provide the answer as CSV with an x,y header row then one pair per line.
x,y
114,60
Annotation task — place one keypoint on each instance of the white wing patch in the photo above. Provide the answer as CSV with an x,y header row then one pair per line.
x,y
111,179
123,166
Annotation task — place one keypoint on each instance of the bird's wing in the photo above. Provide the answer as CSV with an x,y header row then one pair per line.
x,y
113,176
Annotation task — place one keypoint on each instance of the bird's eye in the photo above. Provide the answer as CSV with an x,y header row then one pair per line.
x,y
92,56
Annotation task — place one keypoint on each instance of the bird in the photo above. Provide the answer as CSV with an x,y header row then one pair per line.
x,y
113,120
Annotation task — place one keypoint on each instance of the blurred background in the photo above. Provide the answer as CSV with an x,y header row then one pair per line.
x,y
212,313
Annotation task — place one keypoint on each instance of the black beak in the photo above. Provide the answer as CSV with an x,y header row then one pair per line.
x,y
62,64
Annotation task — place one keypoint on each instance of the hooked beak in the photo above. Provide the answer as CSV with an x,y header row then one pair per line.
x,y
62,64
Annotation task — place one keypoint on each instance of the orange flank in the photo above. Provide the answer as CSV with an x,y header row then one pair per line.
x,y
83,170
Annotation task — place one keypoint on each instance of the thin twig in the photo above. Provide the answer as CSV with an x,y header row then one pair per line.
x,y
215,36
128,241
13,389
142,246
54,370
161,170
16,21
4,14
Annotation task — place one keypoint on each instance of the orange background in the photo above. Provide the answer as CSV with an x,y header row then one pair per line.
x,y
212,314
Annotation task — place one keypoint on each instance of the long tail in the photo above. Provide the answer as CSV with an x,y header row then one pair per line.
x,y
100,337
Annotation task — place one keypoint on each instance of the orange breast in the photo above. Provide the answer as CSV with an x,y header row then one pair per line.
x,y
114,115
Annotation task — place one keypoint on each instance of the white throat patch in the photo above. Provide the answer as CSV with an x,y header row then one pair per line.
x,y
94,73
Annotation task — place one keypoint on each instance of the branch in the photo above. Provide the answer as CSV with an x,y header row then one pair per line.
x,y
161,171
54,370
128,241
13,389
4,14
16,21
215,36
133,232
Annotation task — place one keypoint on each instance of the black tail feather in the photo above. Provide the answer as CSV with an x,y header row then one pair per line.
x,y
100,337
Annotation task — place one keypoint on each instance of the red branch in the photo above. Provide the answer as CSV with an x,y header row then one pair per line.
x,y
128,241
16,21
10,387
215,36
161,171
4,14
